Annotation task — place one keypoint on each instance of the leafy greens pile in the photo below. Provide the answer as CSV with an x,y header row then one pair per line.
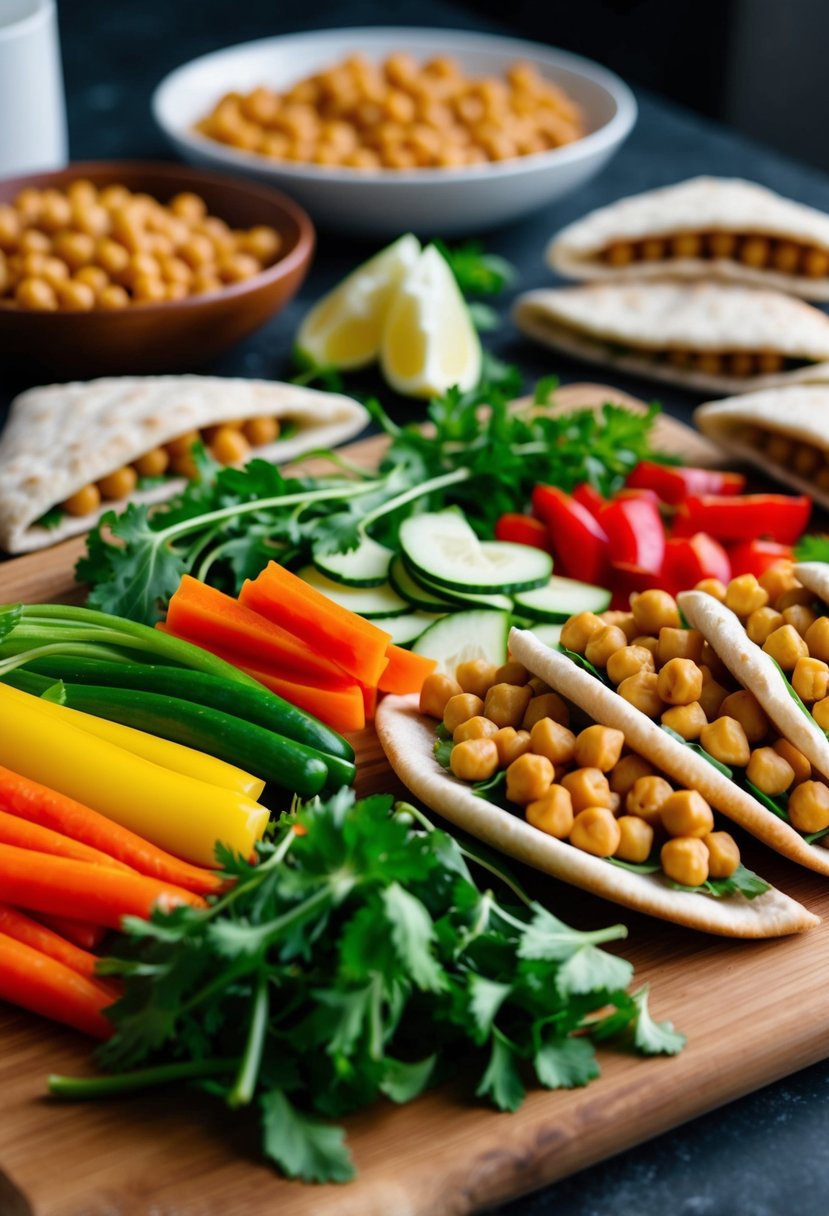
x,y
357,944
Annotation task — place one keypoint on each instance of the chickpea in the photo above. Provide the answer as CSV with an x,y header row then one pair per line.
x,y
769,771
820,713
815,263
77,249
506,704
726,741
679,682
113,297
587,787
627,772
74,296
761,623
786,646
800,765
596,831
474,728
679,644
118,484
744,707
711,698
10,228
83,501
623,621
474,759
629,661
599,747
529,777
686,720
546,705
34,241
512,673
476,676
810,679
647,643
153,463
779,577
229,446
712,586
714,663
654,610
723,854
744,595
604,643
686,813
635,839
647,798
553,813
460,708
436,691
620,253
794,595
148,290
260,431
641,691
685,860
36,295
652,250
92,276
801,617
579,629
549,738
511,744
809,806
539,687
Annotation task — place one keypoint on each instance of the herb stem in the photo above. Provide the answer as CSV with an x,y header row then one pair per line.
x,y
244,1086
140,1078
419,491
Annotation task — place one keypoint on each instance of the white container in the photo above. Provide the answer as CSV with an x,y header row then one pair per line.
x,y
32,107
386,202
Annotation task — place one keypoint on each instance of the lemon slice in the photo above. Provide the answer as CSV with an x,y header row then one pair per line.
x,y
429,342
344,328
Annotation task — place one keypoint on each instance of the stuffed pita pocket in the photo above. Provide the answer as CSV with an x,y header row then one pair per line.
x,y
70,452
408,738
705,228
783,431
715,337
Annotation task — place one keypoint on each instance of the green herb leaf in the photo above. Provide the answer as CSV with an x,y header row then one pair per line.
x,y
565,1063
502,1081
443,752
301,1146
476,272
586,665
591,970
402,1082
814,547
699,751
413,934
51,519
485,999
654,1038
743,882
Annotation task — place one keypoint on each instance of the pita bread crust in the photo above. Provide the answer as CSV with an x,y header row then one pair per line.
x,y
800,412
815,576
657,315
703,204
61,437
408,738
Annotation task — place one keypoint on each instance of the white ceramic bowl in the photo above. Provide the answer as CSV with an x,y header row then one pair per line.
x,y
386,202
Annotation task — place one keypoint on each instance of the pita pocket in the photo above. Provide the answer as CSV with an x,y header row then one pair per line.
x,y
62,441
408,740
783,431
715,337
705,228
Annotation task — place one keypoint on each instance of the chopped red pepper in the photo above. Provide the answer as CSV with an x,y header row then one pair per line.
x,y
674,483
628,492
522,530
590,498
636,533
628,578
688,560
579,542
780,517
755,556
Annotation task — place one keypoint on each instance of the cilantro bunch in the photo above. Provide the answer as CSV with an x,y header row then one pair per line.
x,y
359,958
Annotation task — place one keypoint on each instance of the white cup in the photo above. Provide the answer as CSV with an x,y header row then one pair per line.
x,y
32,108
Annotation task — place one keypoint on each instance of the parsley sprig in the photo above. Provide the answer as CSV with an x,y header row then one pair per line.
x,y
359,958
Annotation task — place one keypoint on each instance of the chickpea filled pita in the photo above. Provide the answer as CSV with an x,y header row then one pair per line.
x,y
714,337
542,761
70,452
705,228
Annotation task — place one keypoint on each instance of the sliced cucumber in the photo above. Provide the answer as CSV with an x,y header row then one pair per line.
x,y
410,589
460,599
443,548
365,566
406,629
561,598
550,635
455,639
370,602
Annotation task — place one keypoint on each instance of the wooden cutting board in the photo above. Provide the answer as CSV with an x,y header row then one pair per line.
x,y
753,1012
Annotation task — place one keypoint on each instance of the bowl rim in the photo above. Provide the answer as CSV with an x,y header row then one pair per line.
x,y
611,133
191,177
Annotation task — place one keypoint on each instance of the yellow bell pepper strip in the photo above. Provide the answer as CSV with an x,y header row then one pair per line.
x,y
174,811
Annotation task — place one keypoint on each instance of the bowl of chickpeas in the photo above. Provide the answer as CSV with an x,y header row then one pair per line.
x,y
123,267
379,131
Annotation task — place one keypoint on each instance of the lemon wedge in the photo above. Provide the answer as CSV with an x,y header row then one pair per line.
x,y
344,328
429,342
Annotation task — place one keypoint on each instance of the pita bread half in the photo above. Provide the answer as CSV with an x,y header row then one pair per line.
x,y
633,326
703,205
743,425
61,437
815,576
408,738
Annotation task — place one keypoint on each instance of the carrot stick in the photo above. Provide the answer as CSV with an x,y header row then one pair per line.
x,y
48,987
31,933
352,642
406,671
44,883
29,800
26,835
80,932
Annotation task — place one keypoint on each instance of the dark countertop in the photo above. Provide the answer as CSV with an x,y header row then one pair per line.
x,y
767,1153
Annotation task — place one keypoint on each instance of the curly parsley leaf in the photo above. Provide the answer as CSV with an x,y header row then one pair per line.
x,y
654,1038
565,1063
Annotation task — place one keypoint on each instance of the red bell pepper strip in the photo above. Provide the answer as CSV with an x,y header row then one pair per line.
x,y
674,483
755,556
780,517
522,530
590,498
627,492
688,560
635,531
579,542
628,579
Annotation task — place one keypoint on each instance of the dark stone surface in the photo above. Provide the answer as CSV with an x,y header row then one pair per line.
x,y
768,1153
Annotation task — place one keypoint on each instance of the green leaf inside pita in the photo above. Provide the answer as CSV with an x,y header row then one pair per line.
x,y
794,696
778,806
742,882
51,519
651,866
700,751
584,664
443,751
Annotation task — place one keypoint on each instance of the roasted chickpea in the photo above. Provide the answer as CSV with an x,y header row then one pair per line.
x,y
786,646
801,616
654,610
744,595
511,673
36,295
647,643
723,854
714,663
623,621
460,708
506,704
546,705
820,713
635,839
83,501
762,622
679,682
769,771
726,741
685,860
599,747
810,679
476,676
474,728
112,297
712,586
686,813
182,445
474,759
627,772
604,643
153,463
511,744
679,644
549,738
74,296
587,787
711,698
641,691
436,691
118,484
629,661
647,797
596,831
92,276
744,707
260,431
578,631
553,813
800,765
809,806
528,778
817,639
229,446
686,720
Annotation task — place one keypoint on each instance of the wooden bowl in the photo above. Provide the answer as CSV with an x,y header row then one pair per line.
x,y
176,334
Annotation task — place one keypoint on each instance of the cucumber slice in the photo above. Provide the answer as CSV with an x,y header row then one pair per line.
x,y
459,599
443,548
562,598
550,635
480,634
418,596
370,602
406,629
365,566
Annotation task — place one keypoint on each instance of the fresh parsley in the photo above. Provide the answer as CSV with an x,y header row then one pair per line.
x,y
477,273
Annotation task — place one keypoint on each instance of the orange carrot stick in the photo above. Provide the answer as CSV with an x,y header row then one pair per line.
x,y
48,987
31,933
406,671
57,885
30,800
81,933
26,835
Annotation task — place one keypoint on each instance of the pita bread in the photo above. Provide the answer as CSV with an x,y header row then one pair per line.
x,y
648,318
408,738
799,412
63,436
701,205
815,576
